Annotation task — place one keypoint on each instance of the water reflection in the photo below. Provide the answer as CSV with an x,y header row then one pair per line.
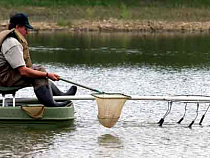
x,y
117,49
26,141
110,141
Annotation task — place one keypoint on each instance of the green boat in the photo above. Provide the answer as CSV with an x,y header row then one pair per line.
x,y
24,111
53,116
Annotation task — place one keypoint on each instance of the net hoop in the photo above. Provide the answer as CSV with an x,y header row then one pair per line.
x,y
110,96
109,107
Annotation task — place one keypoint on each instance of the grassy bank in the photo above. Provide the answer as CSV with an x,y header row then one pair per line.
x,y
117,15
100,12
109,3
55,10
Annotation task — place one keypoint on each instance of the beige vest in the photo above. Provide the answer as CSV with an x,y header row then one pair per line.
x,y
23,42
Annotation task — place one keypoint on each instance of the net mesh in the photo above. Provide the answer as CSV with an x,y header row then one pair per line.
x,y
109,108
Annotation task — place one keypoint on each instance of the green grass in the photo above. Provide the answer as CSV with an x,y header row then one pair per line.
x,y
64,12
109,3
69,13
67,2
63,22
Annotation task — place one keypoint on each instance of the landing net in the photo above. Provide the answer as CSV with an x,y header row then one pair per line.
x,y
109,107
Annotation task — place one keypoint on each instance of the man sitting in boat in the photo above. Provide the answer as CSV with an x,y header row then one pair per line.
x,y
16,67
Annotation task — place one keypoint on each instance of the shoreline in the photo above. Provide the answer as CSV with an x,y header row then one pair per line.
x,y
120,18
115,25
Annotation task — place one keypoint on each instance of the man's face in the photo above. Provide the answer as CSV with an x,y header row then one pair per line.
x,y
22,29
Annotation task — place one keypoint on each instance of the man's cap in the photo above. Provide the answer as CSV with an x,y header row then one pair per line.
x,y
20,19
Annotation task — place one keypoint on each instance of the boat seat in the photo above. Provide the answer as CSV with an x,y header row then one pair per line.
x,y
9,90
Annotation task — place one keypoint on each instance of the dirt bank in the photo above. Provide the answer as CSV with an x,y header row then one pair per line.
x,y
114,25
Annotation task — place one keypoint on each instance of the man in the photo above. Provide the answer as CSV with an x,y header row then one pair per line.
x,y
16,68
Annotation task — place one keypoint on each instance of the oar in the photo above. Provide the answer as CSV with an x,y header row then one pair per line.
x,y
95,90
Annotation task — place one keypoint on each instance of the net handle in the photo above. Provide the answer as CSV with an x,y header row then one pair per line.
x,y
86,87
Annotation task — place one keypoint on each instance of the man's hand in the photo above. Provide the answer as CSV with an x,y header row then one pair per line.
x,y
53,76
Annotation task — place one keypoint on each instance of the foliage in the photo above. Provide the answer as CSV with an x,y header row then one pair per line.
x,y
66,12
68,2
125,14
108,3
63,22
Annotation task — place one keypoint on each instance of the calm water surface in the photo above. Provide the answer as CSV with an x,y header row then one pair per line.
x,y
133,64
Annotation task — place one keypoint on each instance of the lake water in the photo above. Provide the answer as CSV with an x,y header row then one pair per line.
x,y
132,64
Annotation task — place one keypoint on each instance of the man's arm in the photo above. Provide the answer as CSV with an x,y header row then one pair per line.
x,y
13,53
28,72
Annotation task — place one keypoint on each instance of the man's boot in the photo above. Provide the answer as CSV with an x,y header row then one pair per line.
x,y
57,92
44,95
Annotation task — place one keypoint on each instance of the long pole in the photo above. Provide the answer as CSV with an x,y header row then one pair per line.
x,y
86,87
132,97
